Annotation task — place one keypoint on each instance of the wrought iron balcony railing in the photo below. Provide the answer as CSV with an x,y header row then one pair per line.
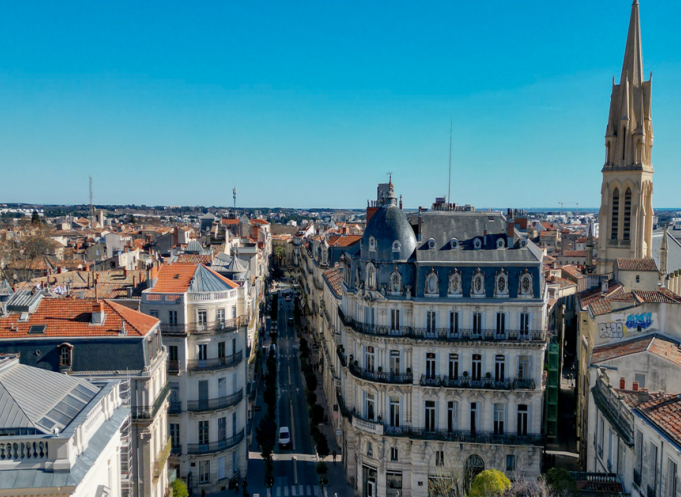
x,y
211,328
380,376
218,446
215,363
149,412
215,404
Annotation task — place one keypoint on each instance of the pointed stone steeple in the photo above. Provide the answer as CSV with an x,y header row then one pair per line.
x,y
626,215
664,255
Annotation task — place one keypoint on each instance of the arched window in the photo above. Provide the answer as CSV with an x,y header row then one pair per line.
x,y
397,246
372,244
474,466
627,215
615,216
454,284
395,282
501,288
478,284
371,276
525,289
432,283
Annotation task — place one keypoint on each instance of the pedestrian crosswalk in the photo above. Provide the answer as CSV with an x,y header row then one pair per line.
x,y
295,491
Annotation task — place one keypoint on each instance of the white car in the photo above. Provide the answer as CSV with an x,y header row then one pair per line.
x,y
284,437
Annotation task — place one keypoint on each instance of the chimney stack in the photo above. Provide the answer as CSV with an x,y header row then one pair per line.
x,y
623,383
634,386
97,313
643,395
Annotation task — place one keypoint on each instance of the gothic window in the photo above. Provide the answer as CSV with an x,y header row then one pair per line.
x,y
454,284
501,287
525,289
478,284
371,276
372,244
395,282
627,215
615,217
432,283
397,246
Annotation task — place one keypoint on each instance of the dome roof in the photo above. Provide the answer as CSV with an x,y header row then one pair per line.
x,y
388,225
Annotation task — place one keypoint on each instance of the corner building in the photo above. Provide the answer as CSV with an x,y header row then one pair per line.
x,y
441,349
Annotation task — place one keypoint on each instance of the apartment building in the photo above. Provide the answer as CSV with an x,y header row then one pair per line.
x,y
101,340
204,320
436,347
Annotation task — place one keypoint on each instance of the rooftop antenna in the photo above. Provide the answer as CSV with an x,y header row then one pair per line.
x,y
92,209
449,188
390,177
234,195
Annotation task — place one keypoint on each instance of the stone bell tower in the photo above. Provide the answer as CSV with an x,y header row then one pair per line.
x,y
626,214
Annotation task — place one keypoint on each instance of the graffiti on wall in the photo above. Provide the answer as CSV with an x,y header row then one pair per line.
x,y
624,324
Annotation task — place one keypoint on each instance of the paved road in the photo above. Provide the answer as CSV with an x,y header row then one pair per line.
x,y
294,467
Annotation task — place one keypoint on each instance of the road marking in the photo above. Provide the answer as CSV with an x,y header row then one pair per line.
x,y
295,467
278,491
293,491
317,491
285,491
300,489
309,491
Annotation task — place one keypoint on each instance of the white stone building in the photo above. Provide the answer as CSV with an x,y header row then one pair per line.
x,y
61,435
204,320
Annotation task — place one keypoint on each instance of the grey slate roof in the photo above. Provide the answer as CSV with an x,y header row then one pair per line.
x,y
206,281
28,394
387,225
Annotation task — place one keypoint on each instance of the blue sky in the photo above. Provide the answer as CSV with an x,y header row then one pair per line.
x,y
310,104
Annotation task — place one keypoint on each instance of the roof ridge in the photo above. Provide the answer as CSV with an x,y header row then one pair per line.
x,y
16,402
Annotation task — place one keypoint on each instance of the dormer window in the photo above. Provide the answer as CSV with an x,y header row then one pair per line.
x,y
500,243
477,244
454,243
395,282
65,355
397,246
372,244
454,289
525,289
371,276
431,244
501,284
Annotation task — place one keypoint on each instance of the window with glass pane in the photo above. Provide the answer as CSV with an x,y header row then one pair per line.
x,y
524,323
204,471
394,412
522,420
172,317
430,321
221,349
501,323
453,322
430,415
175,434
221,315
477,322
394,319
477,367
510,462
499,367
203,317
395,361
153,313
451,416
203,432
203,352
453,366
499,415
172,352
523,367
222,428
394,456
369,359
474,417
370,406
430,365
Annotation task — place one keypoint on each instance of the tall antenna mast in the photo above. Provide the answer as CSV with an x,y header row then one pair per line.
x,y
449,188
234,195
92,209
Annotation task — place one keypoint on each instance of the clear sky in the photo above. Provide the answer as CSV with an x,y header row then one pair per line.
x,y
311,103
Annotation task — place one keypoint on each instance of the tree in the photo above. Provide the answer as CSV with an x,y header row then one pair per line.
x,y
279,253
132,219
35,219
179,488
488,483
561,482
21,259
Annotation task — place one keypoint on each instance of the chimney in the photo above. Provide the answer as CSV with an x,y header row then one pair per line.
x,y
125,273
604,284
400,202
634,386
510,228
418,232
96,287
623,383
643,395
97,313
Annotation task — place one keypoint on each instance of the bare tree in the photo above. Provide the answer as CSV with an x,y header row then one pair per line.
x,y
22,257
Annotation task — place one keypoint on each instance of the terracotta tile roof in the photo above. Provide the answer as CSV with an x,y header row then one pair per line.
x,y
636,264
608,352
588,297
343,241
229,221
548,226
560,281
572,271
662,410
259,221
335,277
195,258
71,317
174,278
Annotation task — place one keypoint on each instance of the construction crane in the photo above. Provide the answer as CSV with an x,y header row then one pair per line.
x,y
576,204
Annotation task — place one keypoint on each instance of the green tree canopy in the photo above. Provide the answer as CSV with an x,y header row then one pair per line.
x,y
488,483
179,488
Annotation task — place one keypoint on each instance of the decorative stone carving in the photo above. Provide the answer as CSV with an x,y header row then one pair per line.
x,y
455,288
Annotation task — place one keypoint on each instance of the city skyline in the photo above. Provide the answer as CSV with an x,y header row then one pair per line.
x,y
318,95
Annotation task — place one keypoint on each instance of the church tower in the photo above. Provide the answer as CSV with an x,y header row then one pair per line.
x,y
626,214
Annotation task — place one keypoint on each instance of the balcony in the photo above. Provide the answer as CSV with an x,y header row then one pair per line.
x,y
161,459
465,436
484,383
212,328
637,478
174,367
618,414
218,446
215,363
380,377
444,334
341,356
149,412
174,407
215,404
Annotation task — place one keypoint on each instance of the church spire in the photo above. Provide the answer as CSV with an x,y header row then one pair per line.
x,y
633,54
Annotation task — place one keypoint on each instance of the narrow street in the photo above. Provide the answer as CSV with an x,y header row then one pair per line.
x,y
294,468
